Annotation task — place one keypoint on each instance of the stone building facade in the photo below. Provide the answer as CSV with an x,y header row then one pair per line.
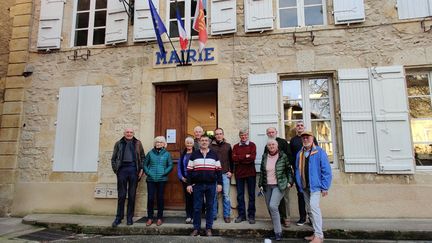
x,y
277,67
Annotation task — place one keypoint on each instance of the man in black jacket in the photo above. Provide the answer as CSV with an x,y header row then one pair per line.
x,y
126,161
283,146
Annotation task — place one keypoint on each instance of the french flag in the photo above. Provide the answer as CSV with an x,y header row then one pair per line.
x,y
182,31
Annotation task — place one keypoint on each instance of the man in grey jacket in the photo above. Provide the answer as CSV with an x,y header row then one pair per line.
x,y
126,161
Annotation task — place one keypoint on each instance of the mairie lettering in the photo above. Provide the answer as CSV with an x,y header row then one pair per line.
x,y
194,56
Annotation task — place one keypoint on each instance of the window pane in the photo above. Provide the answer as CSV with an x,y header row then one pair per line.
x,y
287,3
181,6
82,20
320,109
193,8
290,130
81,38
100,4
420,107
421,131
99,36
318,88
310,2
322,131
83,5
328,147
288,18
291,89
100,18
314,15
423,154
173,29
293,110
417,84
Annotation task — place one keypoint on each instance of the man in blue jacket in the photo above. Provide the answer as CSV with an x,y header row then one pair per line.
x,y
313,176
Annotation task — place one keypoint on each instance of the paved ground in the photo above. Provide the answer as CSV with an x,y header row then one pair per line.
x,y
90,228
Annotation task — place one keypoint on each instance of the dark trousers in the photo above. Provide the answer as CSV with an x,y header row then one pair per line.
x,y
250,181
157,188
189,201
301,204
282,210
201,191
127,180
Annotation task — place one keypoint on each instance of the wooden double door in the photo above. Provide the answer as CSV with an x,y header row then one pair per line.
x,y
171,117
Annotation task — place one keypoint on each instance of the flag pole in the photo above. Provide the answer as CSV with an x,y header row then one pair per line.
x,y
178,58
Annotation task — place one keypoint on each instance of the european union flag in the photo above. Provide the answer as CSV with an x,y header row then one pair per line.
x,y
159,27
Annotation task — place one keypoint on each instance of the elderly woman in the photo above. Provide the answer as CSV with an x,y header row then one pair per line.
x,y
182,176
276,177
157,165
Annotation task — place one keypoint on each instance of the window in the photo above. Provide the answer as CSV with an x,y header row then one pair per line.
x,y
309,100
296,13
409,9
89,23
419,86
187,8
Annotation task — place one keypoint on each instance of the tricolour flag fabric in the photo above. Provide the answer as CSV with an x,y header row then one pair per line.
x,y
199,24
181,30
159,27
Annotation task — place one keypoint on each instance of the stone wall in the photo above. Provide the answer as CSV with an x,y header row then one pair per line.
x,y
127,75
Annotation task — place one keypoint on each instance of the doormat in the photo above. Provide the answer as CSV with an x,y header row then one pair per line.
x,y
171,220
46,235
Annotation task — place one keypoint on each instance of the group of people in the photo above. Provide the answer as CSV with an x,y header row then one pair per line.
x,y
206,166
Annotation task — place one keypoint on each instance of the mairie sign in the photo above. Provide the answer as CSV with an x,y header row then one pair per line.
x,y
206,56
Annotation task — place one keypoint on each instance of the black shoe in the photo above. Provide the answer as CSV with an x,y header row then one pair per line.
x,y
115,223
301,222
129,222
239,219
277,237
252,221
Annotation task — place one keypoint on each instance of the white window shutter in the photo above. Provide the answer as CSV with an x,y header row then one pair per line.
x,y
348,11
392,120
357,123
88,126
223,17
408,9
64,148
116,23
258,15
50,24
263,109
143,25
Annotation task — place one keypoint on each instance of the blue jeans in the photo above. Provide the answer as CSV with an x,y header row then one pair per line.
x,y
158,189
226,198
127,181
250,181
201,190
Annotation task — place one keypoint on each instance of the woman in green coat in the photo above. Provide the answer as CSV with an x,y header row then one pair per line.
x,y
276,177
157,165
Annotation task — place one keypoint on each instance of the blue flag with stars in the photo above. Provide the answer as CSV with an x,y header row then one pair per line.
x,y
159,27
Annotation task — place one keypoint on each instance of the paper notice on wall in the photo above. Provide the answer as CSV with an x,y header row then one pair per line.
x,y
171,136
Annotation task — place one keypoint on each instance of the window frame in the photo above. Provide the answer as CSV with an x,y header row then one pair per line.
x,y
90,34
429,74
300,6
304,81
187,18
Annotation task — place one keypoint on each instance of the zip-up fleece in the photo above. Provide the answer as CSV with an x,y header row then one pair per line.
x,y
204,169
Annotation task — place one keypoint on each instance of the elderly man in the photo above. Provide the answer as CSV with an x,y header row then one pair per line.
x,y
224,152
204,172
313,176
126,162
295,146
243,156
283,147
198,132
